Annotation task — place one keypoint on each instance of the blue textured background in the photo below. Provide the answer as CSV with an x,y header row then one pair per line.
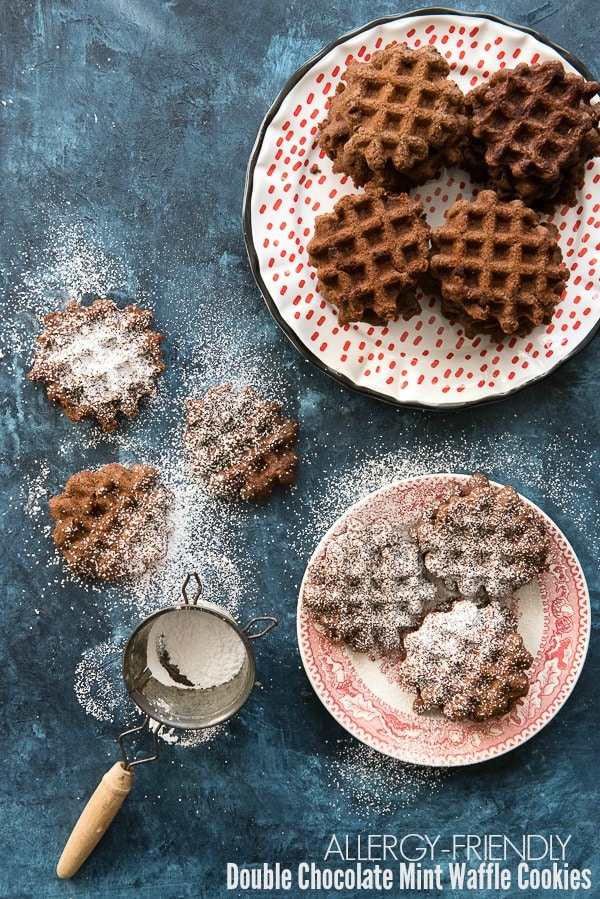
x,y
137,118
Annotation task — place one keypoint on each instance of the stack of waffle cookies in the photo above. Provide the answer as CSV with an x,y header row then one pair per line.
x,y
396,120
393,123
437,598
371,253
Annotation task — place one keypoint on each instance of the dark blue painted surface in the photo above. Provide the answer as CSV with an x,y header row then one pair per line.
x,y
131,123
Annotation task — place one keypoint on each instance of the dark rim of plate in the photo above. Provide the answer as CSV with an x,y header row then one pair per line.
x,y
247,223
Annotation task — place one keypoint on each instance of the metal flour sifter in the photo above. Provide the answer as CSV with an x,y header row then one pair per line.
x,y
188,666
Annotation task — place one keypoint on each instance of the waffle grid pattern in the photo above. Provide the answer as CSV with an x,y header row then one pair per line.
x,y
239,444
499,267
397,115
536,127
111,523
369,252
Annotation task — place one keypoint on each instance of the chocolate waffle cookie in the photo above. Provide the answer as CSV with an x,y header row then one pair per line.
x,y
240,445
368,587
111,523
370,253
532,129
469,662
499,267
397,120
98,361
483,542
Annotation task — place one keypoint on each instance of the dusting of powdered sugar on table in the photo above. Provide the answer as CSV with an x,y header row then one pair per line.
x,y
78,261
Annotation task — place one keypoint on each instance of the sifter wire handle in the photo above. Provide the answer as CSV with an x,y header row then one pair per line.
x,y
271,623
95,819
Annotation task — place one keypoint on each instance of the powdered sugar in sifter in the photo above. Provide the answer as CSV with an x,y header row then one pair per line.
x,y
187,666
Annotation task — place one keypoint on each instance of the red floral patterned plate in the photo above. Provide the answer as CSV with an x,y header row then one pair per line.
x,y
427,361
363,694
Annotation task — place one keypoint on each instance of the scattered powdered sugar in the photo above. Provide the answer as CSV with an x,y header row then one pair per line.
x,y
72,265
36,498
194,650
77,265
98,682
566,486
378,784
218,355
190,738
201,539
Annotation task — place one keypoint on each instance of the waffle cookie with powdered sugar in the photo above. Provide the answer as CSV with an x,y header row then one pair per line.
x,y
368,588
484,542
112,523
468,662
98,361
240,444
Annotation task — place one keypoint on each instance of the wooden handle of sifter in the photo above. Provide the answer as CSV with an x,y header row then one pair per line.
x,y
95,819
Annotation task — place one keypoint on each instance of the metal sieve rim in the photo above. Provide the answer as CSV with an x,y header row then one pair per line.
x,y
137,694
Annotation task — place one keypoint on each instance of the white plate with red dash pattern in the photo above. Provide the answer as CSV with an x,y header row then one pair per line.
x,y
363,693
427,361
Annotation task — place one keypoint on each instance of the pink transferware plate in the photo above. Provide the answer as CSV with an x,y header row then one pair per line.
x,y
363,693
426,361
